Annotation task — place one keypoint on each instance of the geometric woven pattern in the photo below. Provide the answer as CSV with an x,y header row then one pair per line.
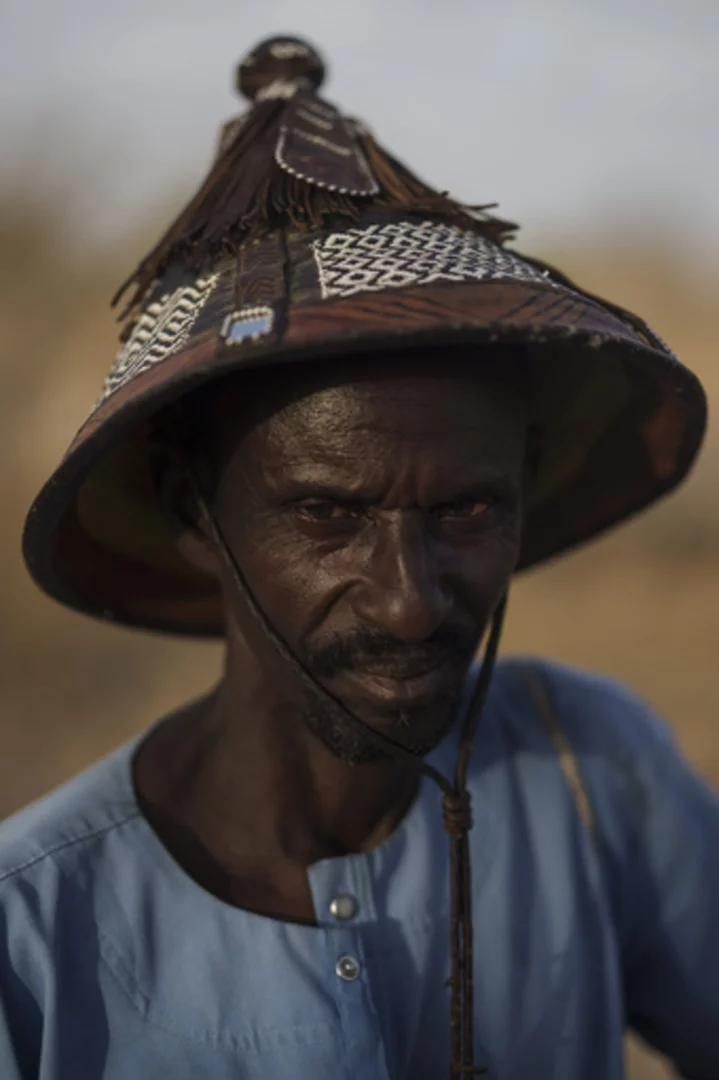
x,y
406,253
162,329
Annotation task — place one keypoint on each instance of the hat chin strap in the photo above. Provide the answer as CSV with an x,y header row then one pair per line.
x,y
456,803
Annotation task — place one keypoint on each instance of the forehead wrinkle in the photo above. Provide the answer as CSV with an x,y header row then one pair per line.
x,y
343,414
366,434
228,410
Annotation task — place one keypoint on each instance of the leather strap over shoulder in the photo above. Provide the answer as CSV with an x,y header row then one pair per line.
x,y
541,698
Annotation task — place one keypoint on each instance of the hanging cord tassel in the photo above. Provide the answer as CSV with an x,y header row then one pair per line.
x,y
456,804
457,816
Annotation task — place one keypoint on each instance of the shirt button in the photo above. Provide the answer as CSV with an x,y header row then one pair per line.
x,y
347,968
343,907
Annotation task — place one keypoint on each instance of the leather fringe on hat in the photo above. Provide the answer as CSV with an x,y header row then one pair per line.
x,y
293,159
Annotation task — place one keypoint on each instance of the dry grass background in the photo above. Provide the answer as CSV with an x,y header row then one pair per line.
x,y
641,605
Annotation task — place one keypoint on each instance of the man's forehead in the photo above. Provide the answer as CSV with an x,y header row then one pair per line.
x,y
391,409
364,389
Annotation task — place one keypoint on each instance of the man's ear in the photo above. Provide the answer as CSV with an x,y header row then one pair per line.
x,y
183,514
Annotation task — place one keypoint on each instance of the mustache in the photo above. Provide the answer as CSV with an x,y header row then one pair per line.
x,y
353,650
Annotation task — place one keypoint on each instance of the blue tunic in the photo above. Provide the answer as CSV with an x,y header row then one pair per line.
x,y
115,965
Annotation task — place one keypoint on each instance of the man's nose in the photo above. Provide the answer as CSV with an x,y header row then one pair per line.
x,y
402,590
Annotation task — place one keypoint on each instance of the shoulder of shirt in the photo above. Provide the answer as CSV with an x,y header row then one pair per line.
x,y
79,812
600,716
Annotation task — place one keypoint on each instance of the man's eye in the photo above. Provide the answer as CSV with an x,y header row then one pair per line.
x,y
463,509
328,511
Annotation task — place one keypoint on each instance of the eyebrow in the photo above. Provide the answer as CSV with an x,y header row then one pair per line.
x,y
339,493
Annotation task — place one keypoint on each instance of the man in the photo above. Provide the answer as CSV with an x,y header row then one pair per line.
x,y
343,416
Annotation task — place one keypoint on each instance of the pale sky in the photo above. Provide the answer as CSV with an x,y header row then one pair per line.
x,y
572,114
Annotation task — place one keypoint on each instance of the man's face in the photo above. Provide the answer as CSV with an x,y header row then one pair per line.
x,y
377,522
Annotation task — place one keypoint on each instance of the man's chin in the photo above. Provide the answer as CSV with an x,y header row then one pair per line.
x,y
417,714
418,732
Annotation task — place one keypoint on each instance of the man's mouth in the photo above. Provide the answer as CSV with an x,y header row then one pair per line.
x,y
403,682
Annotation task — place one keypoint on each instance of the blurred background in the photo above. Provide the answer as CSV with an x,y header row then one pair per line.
x,y
592,121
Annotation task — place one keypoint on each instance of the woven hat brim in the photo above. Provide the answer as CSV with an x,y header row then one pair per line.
x,y
620,418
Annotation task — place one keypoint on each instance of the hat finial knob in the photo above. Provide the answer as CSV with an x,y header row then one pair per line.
x,y
279,60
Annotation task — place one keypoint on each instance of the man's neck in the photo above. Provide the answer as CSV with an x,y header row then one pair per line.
x,y
246,798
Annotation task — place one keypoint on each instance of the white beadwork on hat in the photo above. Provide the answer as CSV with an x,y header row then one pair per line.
x,y
406,253
162,329
249,323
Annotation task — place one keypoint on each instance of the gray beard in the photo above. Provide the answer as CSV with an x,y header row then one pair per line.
x,y
419,734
